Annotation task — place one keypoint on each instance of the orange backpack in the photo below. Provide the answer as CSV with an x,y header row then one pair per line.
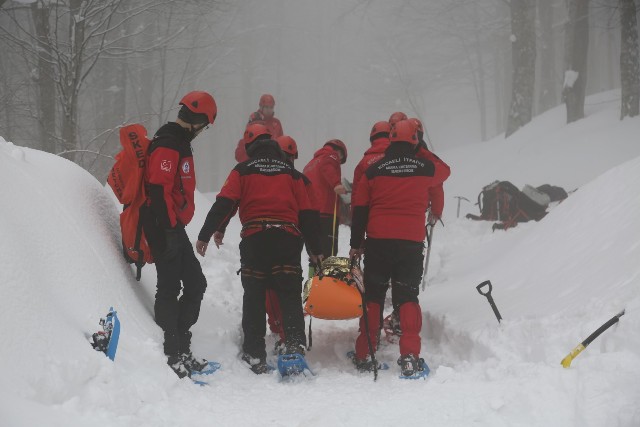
x,y
126,179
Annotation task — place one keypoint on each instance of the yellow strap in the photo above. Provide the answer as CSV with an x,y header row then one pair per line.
x,y
566,362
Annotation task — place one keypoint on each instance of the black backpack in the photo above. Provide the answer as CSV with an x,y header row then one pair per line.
x,y
502,201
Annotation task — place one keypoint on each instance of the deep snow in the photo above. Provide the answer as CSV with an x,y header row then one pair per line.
x,y
555,282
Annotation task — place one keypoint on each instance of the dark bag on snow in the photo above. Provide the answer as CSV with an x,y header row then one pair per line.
x,y
502,201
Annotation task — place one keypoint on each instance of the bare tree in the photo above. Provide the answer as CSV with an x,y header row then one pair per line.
x,y
523,41
576,47
629,63
548,95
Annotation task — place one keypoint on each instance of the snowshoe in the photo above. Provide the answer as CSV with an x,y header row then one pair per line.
x,y
106,340
292,365
199,377
412,367
365,365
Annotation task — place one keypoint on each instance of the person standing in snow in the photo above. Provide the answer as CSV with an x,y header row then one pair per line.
x,y
276,215
171,181
435,206
274,315
265,115
326,185
390,206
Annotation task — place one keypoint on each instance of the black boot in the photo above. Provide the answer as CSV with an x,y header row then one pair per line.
x,y
257,365
191,362
176,363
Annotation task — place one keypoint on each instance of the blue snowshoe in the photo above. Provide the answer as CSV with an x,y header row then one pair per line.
x,y
106,340
292,365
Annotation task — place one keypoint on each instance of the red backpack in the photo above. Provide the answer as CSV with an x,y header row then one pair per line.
x,y
126,179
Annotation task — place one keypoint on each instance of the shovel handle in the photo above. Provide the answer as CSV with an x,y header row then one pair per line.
x,y
479,288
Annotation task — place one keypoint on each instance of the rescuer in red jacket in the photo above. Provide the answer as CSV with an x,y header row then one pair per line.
x,y
264,115
326,185
171,180
276,215
390,206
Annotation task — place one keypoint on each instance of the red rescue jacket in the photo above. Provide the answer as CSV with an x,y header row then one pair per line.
x,y
393,195
265,188
171,176
324,173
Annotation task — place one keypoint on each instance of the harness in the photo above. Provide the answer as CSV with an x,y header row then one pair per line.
x,y
263,224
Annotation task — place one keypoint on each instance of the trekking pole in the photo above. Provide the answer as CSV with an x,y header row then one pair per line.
x,y
489,297
429,229
566,362
333,228
357,275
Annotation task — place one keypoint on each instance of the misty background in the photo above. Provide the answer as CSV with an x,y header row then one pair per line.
x,y
73,71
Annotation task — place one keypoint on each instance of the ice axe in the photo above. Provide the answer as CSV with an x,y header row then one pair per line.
x,y
566,362
489,297
460,198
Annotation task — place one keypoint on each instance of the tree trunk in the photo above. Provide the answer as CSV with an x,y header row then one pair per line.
x,y
523,47
46,90
73,78
629,66
547,96
576,46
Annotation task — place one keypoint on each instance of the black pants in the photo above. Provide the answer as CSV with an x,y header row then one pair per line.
x,y
397,260
178,270
329,235
271,260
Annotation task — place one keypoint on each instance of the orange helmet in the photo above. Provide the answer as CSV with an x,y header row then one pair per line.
x,y
288,145
199,102
267,100
418,124
396,117
404,131
336,143
379,129
253,131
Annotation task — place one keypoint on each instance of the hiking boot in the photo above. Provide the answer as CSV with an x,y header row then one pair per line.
x,y
363,365
257,365
410,365
292,349
176,363
193,363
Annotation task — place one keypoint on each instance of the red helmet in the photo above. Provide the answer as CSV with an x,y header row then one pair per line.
x,y
288,145
404,131
418,124
253,131
200,102
379,128
339,145
396,117
267,100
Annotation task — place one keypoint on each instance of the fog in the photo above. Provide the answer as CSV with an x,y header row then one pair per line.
x,y
334,68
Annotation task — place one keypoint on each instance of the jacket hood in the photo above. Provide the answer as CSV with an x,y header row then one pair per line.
x,y
378,146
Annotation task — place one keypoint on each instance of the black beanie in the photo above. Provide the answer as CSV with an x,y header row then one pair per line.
x,y
189,116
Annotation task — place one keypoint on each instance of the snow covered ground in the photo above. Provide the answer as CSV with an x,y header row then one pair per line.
x,y
554,282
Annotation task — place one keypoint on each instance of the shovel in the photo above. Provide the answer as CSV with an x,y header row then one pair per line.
x,y
489,297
